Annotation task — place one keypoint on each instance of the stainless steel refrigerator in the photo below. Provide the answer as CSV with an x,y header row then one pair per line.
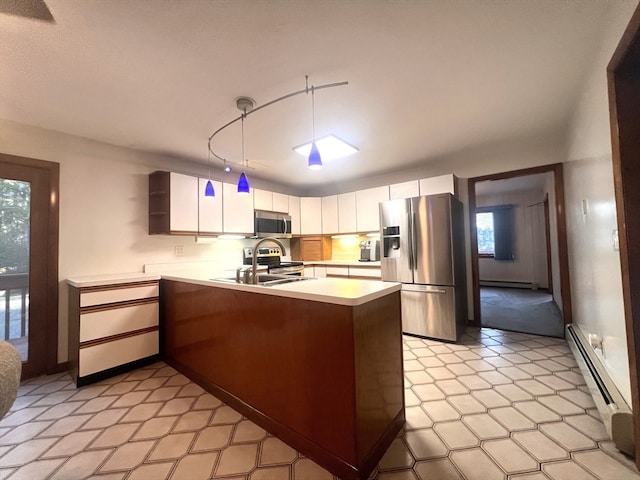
x,y
423,247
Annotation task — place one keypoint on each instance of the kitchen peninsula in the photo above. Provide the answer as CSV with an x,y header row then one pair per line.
x,y
317,363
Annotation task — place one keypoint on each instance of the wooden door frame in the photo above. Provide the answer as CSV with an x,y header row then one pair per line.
x,y
45,310
561,225
623,78
547,239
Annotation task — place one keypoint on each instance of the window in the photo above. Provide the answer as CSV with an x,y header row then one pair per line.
x,y
495,232
486,239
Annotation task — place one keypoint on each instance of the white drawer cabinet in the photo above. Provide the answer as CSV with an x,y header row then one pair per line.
x,y
113,328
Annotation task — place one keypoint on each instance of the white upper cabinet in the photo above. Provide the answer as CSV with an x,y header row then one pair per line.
x,y
330,214
310,215
294,211
347,213
441,184
209,208
367,209
262,199
183,203
404,190
237,211
280,202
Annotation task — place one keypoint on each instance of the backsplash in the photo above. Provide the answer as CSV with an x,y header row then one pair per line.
x,y
347,249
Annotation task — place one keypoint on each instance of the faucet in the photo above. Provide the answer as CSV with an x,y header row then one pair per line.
x,y
254,278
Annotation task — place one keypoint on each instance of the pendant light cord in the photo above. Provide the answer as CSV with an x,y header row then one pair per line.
x,y
243,159
313,114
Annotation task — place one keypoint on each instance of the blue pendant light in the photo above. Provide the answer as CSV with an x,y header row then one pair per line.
x,y
208,189
243,182
315,162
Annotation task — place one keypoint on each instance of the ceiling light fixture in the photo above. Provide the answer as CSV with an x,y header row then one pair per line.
x,y
315,161
247,105
243,182
330,147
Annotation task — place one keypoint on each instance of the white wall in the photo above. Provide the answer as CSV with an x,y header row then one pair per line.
x,y
594,265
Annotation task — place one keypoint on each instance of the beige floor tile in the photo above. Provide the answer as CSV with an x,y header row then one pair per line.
x,y
155,428
225,415
610,448
127,456
416,418
22,416
439,349
402,475
498,361
588,425
140,374
213,438
274,451
64,426
536,411
568,470
510,456
120,388
451,387
604,466
430,362
484,426
163,394
197,466
54,398
40,470
456,435
206,401
412,365
24,432
49,387
143,412
305,469
71,444
237,459
106,418
193,421
494,377
440,469
510,418
460,369
82,465
26,452
417,378
130,399
422,352
533,369
567,436
176,406
96,404
479,365
560,405
555,383
28,400
473,382
191,390
115,435
247,431
60,411
172,446
151,383
425,444
529,476
534,387
581,399
513,392
466,404
450,358
490,398
475,464
429,391
165,372
88,392
271,473
410,398
156,471
515,373
540,446
440,410
396,456
574,378
179,380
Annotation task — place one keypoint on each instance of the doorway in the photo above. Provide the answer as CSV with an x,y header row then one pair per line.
x,y
518,287
29,261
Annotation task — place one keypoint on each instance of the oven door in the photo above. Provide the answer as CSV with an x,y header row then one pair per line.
x,y
287,268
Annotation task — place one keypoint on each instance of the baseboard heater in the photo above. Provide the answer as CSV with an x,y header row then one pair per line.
x,y
613,409
507,284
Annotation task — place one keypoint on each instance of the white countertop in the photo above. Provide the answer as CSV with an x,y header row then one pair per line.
x,y
340,291
111,279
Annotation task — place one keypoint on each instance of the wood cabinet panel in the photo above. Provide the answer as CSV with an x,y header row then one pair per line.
x,y
311,248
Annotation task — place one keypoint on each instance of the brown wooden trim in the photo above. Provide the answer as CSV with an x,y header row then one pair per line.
x,y
118,336
45,178
623,78
115,305
547,239
563,255
117,286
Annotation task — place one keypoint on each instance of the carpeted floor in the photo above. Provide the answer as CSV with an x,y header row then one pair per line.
x,y
521,310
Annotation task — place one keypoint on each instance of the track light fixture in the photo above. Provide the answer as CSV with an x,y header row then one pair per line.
x,y
247,106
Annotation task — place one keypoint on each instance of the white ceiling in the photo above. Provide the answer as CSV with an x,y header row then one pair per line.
x,y
425,77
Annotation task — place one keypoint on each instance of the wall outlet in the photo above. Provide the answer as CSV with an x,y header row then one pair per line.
x,y
179,250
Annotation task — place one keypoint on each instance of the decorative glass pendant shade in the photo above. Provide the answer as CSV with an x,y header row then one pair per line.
x,y
243,184
208,190
315,162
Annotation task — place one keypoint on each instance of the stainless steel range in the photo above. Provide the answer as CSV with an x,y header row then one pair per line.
x,y
272,257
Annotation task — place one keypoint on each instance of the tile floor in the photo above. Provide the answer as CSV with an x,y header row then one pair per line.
x,y
498,405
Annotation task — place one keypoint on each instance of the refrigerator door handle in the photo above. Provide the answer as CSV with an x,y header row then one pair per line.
x,y
411,246
414,240
412,287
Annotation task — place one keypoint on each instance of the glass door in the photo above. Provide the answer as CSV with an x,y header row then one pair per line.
x,y
15,221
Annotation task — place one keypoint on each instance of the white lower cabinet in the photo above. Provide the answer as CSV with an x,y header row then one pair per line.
x,y
113,328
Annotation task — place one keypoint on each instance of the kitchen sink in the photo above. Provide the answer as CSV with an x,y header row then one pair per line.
x,y
267,280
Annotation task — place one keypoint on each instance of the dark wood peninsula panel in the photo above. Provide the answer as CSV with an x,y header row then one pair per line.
x,y
327,379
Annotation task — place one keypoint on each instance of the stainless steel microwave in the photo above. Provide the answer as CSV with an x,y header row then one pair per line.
x,y
272,224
